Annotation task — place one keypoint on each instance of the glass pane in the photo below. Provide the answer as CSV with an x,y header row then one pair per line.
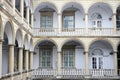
x,y
46,58
68,21
68,58
46,21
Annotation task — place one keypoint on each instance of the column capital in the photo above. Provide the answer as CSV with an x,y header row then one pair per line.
x,y
31,51
59,51
1,40
86,52
11,44
115,52
26,49
114,13
20,47
86,13
32,13
27,6
59,13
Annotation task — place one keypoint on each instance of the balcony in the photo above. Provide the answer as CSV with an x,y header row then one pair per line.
x,y
75,74
8,8
76,32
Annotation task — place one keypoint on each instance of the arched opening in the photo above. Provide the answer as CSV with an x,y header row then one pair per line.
x,y
100,15
72,16
25,48
17,5
16,56
72,54
25,9
101,57
46,16
5,55
45,55
8,39
118,58
118,17
30,16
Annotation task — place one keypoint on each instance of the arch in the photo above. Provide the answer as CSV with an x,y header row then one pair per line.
x,y
19,37
75,4
95,3
52,5
26,41
106,40
118,5
9,30
50,40
75,40
101,8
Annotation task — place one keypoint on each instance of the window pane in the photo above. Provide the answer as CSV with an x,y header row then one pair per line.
x,y
68,21
68,58
46,21
46,58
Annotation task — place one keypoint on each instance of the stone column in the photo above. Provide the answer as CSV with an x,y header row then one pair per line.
x,y
86,23
32,19
26,59
1,58
59,22
31,60
20,59
27,14
86,63
115,26
22,8
11,59
115,62
20,66
58,63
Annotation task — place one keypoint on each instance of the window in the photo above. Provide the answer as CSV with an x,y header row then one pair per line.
x,y
46,20
96,19
68,58
97,62
68,20
97,59
118,21
118,17
46,58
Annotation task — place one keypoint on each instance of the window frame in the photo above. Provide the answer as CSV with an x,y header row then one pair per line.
x,y
66,49
46,13
68,13
40,57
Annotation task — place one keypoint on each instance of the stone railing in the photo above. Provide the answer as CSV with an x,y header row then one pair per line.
x,y
45,32
73,73
102,73
43,73
76,32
